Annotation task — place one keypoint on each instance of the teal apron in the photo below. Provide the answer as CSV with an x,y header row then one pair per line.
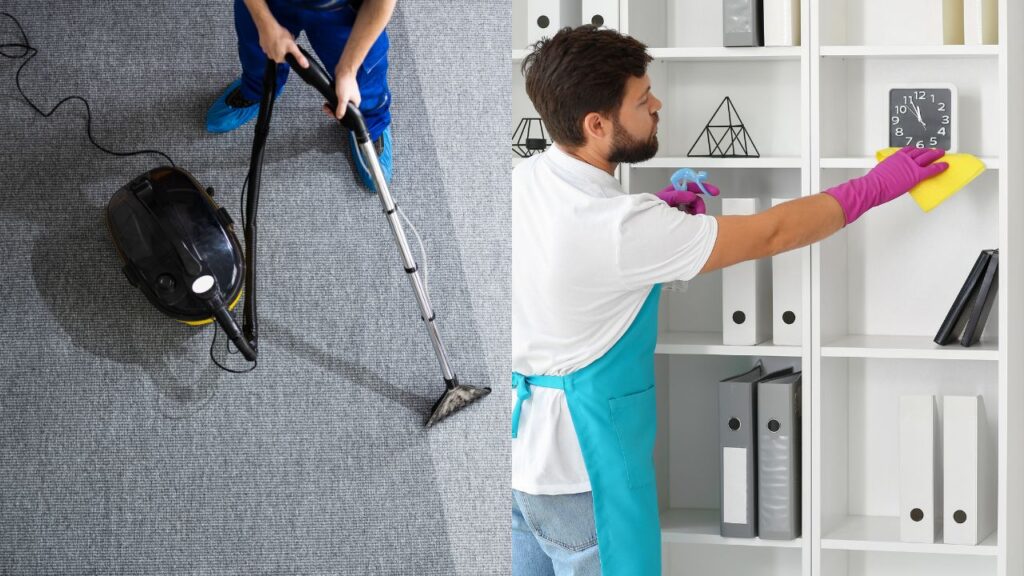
x,y
612,405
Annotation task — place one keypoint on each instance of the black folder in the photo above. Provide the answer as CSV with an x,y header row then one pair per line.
x,y
982,302
956,318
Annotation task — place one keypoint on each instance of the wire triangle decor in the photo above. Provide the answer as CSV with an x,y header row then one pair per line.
x,y
726,138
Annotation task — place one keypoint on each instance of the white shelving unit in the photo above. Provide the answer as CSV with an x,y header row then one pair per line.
x,y
881,287
872,295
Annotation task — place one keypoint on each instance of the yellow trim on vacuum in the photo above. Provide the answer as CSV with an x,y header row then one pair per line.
x,y
206,321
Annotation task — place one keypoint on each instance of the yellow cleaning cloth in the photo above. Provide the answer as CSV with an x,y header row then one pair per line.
x,y
930,193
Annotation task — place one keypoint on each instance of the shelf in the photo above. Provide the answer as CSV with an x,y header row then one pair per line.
x,y
702,526
697,162
718,53
683,343
905,347
951,51
882,533
866,162
519,55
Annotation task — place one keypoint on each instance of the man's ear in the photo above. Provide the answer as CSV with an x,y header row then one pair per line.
x,y
596,126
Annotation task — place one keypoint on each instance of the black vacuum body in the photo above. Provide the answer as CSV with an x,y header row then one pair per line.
x,y
170,233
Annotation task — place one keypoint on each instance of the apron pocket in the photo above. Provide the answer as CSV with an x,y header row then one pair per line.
x,y
634,418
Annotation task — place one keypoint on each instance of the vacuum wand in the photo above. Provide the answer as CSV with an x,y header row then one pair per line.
x,y
456,396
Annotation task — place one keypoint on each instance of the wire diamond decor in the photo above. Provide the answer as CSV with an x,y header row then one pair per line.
x,y
525,141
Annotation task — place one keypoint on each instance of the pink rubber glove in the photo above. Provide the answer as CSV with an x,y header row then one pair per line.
x,y
689,200
890,179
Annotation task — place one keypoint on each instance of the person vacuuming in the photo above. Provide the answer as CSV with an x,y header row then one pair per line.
x,y
588,262
348,35
179,248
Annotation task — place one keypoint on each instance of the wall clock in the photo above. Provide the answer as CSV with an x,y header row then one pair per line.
x,y
923,116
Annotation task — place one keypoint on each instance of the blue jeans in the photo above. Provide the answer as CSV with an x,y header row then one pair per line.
x,y
554,535
327,31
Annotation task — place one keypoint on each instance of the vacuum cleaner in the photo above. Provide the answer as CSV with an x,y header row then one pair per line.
x,y
179,247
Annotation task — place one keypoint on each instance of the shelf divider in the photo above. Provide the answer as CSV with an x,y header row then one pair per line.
x,y
719,53
939,51
905,347
882,534
699,162
694,343
701,526
867,162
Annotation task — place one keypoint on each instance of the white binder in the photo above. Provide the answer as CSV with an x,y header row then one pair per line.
x,y
546,17
787,284
920,459
746,289
781,22
981,25
969,482
604,13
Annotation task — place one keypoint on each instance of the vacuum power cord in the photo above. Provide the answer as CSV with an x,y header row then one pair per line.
x,y
28,52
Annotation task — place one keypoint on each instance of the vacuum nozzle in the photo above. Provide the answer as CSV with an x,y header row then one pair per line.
x,y
456,397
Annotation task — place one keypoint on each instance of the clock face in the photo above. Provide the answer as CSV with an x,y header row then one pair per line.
x,y
921,117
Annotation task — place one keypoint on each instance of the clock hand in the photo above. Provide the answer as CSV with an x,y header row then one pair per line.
x,y
917,111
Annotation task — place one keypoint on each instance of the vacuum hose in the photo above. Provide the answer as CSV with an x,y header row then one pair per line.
x,y
207,288
250,325
230,327
317,77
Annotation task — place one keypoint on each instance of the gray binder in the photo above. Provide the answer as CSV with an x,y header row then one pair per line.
x,y
778,457
737,409
742,23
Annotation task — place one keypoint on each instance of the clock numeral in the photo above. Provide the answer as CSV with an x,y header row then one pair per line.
x,y
920,94
942,106
895,120
899,131
901,109
920,143
909,140
945,119
933,141
942,132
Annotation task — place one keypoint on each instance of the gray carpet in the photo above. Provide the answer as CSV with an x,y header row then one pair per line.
x,y
123,450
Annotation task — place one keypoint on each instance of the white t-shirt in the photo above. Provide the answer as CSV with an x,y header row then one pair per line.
x,y
584,258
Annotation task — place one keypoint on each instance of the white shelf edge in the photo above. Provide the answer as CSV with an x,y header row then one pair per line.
x,y
991,162
954,51
519,55
701,526
719,53
905,347
852,534
698,162
694,343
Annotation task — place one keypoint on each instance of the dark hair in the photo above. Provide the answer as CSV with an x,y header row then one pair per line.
x,y
578,71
